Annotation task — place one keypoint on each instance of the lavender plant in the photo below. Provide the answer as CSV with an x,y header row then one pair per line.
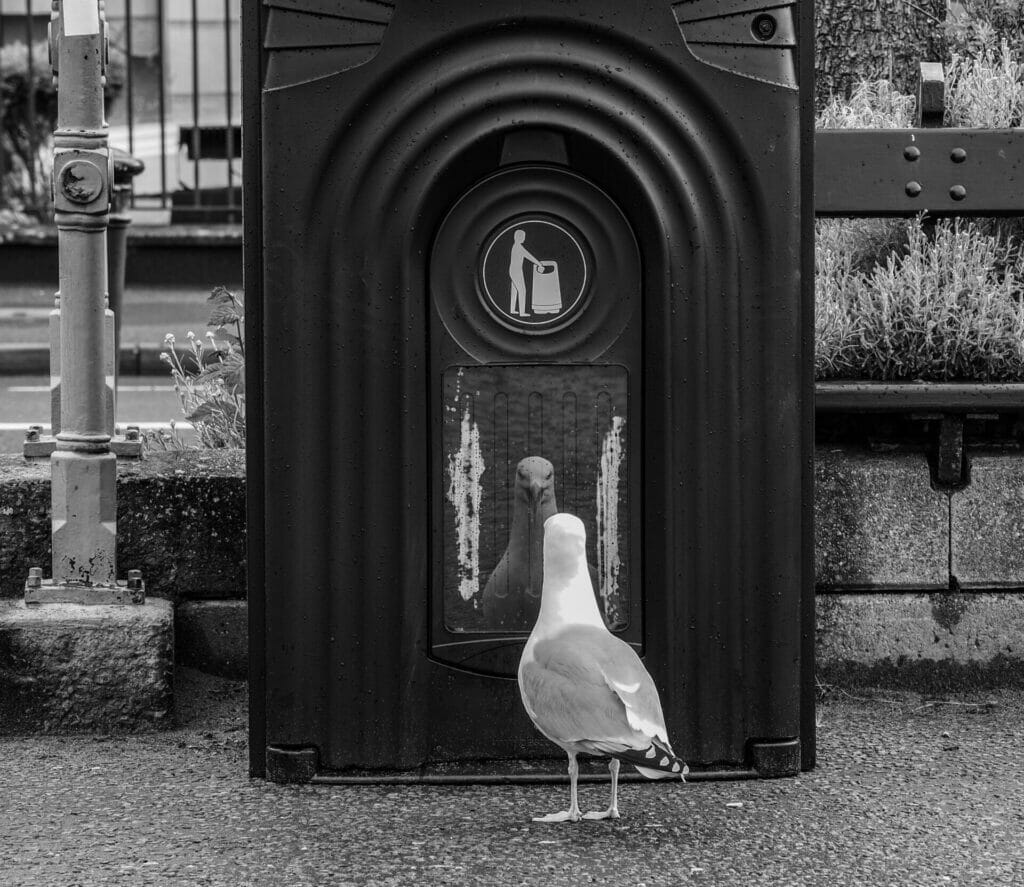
x,y
947,307
900,300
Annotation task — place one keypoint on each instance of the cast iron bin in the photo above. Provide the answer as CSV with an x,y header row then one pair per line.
x,y
503,263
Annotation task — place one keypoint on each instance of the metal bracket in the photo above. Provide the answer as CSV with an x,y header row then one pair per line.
x,y
948,459
931,95
929,168
40,591
39,446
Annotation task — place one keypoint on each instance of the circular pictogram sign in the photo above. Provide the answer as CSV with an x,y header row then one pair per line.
x,y
534,274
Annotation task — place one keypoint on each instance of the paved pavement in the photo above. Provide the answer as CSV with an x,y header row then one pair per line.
x,y
906,793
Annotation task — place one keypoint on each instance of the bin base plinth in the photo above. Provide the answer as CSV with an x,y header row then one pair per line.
x,y
301,764
773,758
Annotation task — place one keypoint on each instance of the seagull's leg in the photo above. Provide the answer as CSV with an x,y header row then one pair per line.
x,y
573,813
613,809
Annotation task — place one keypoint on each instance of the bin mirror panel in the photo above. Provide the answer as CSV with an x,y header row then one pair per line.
x,y
520,444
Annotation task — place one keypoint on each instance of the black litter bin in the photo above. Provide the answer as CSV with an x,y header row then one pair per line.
x,y
503,261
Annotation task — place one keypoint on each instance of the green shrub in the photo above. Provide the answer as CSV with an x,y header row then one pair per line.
x,y
28,117
24,135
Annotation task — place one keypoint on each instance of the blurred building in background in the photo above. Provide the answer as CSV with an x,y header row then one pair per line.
x,y
178,108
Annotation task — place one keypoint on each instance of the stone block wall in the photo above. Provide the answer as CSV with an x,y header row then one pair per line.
x,y
915,586
180,519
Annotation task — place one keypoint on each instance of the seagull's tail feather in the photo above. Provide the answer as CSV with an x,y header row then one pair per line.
x,y
657,761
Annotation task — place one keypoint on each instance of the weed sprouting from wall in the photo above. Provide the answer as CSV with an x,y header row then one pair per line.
x,y
209,378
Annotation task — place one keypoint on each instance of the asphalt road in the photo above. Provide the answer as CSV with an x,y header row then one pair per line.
x,y
147,401
149,313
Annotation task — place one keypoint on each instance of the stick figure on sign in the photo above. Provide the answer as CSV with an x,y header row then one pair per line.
x,y
515,271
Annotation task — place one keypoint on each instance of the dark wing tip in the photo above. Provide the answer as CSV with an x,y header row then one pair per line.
x,y
655,757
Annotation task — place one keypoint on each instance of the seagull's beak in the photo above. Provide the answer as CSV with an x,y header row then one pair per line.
x,y
536,501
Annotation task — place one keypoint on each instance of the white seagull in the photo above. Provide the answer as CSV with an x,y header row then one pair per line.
x,y
585,689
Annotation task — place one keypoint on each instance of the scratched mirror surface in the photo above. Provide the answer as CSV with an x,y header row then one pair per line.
x,y
522,443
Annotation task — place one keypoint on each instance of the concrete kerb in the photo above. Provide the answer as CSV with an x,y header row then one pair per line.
x,y
72,668
213,637
33,359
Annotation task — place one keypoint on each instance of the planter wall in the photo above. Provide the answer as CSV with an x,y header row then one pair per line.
x,y
916,587
186,254
181,520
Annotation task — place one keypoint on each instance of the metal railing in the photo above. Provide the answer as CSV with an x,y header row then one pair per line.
x,y
173,101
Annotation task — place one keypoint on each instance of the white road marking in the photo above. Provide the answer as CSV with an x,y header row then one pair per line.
x,y
34,389
39,314
142,426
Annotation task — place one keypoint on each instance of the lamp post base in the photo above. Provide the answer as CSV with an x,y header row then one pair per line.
x,y
45,591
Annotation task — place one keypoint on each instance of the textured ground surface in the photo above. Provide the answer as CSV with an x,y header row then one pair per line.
x,y
906,792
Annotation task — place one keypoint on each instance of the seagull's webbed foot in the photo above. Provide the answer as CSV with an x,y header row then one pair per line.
x,y
613,808
561,816
573,813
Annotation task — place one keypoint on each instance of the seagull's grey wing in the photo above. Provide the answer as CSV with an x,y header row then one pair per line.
x,y
578,687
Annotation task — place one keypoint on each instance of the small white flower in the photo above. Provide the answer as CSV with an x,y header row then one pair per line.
x,y
169,339
165,357
191,335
